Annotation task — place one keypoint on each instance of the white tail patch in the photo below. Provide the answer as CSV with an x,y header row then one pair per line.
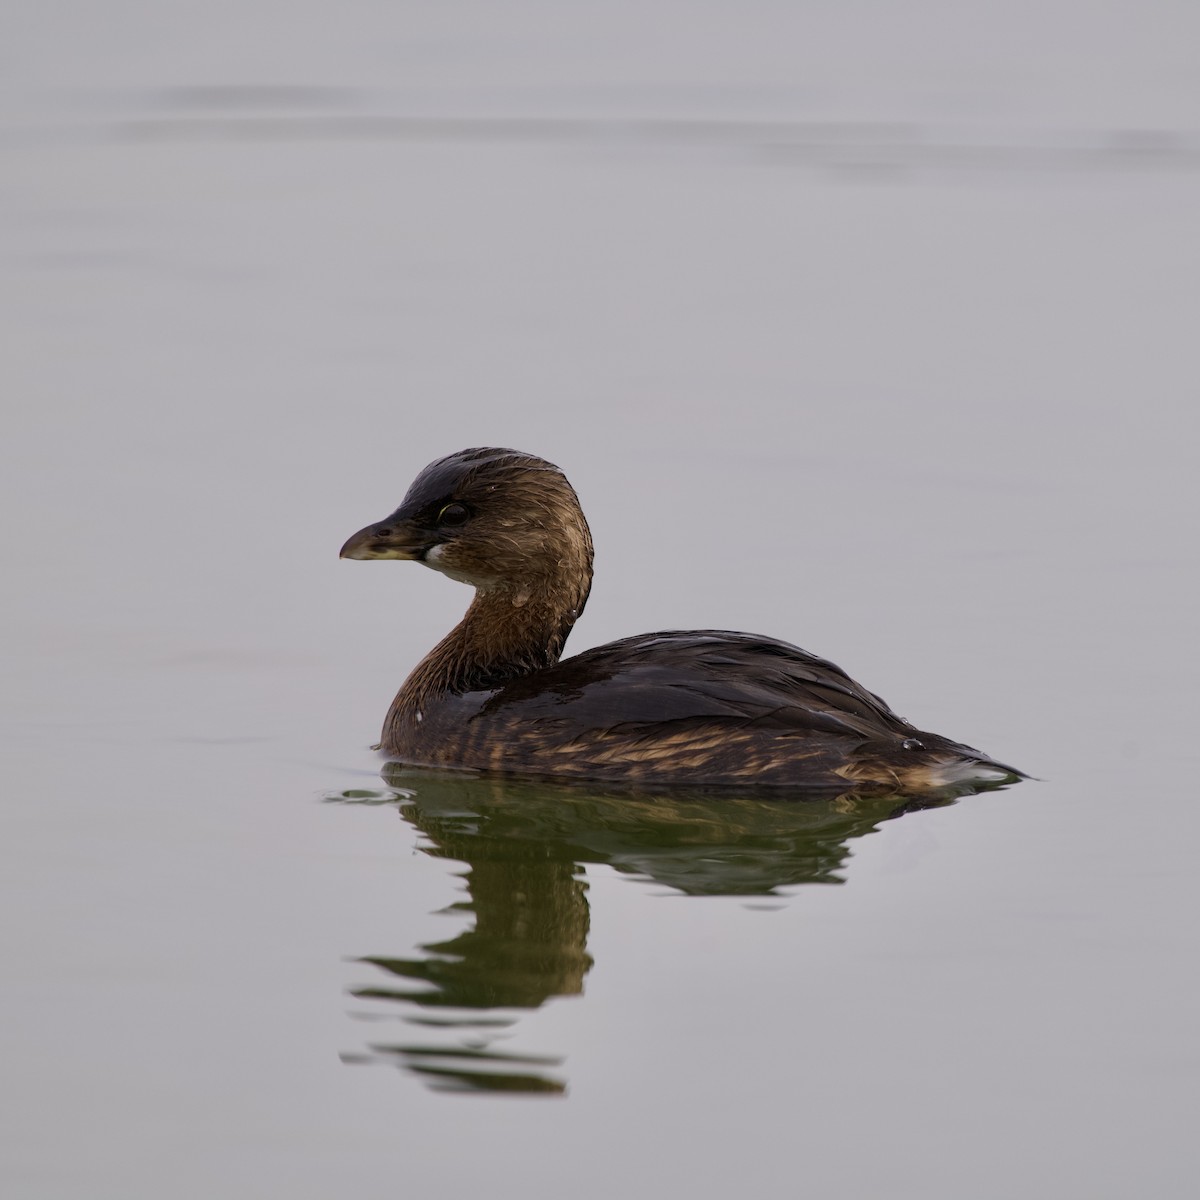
x,y
965,770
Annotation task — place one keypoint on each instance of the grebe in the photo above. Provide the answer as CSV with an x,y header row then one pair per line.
x,y
697,707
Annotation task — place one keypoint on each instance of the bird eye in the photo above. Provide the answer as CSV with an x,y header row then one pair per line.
x,y
453,514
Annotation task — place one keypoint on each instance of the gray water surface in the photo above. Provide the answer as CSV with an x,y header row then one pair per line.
x,y
877,341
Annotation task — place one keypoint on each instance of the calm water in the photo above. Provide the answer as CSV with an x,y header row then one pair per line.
x,y
878,342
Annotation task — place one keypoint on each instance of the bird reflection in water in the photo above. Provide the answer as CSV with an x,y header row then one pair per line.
x,y
525,845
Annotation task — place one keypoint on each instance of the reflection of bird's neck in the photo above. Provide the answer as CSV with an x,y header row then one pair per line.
x,y
528,894
507,632
531,916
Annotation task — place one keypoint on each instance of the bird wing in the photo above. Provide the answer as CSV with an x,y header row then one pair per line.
x,y
709,677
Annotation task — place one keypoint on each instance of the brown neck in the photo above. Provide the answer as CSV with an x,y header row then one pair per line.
x,y
505,634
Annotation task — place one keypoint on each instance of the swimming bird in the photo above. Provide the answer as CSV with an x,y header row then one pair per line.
x,y
697,707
